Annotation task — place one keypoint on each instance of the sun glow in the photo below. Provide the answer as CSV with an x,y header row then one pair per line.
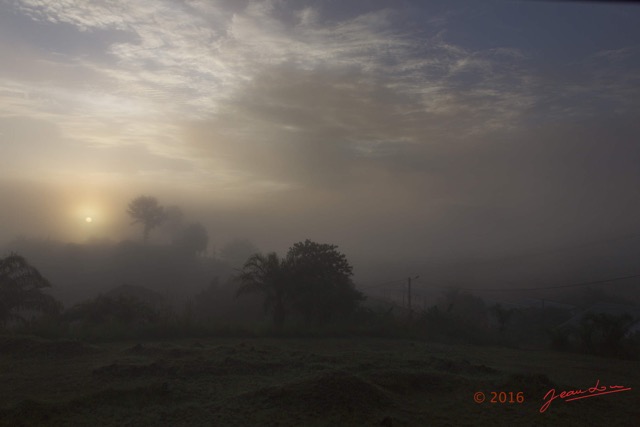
x,y
88,219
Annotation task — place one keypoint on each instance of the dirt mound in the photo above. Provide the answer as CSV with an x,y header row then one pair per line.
x,y
334,391
154,350
459,366
531,384
97,407
35,347
230,366
156,392
410,382
196,367
28,412
127,370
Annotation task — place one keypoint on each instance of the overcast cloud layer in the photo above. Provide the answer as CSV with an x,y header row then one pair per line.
x,y
397,130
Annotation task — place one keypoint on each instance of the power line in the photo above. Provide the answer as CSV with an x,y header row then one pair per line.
x,y
536,253
572,285
384,284
528,255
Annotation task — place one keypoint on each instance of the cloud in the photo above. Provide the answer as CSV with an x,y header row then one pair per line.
x,y
310,127
374,127
33,144
189,60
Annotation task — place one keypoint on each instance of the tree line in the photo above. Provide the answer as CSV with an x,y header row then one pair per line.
x,y
147,211
312,283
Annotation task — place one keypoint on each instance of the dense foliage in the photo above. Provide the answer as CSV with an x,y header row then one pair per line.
x,y
125,309
322,289
21,288
313,281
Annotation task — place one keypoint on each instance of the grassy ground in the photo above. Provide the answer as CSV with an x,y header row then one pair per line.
x,y
301,382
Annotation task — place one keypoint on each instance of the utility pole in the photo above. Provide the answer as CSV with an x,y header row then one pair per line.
x,y
409,296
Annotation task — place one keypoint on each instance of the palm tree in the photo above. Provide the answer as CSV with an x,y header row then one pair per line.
x,y
269,275
21,289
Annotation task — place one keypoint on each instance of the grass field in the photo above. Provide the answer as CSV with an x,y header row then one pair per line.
x,y
302,382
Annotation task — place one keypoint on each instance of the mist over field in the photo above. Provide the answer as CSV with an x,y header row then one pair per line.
x,y
461,173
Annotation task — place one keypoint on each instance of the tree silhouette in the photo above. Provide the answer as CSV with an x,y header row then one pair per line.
x,y
603,333
322,285
313,279
122,308
503,315
21,289
271,276
147,211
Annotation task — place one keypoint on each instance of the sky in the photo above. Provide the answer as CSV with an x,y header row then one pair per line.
x,y
403,132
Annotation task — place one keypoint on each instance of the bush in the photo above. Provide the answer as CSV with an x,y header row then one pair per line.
x,y
122,309
606,334
438,325
559,339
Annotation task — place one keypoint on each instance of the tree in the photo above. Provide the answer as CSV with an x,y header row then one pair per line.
x,y
503,315
122,308
313,279
270,275
21,289
604,333
322,288
193,238
147,211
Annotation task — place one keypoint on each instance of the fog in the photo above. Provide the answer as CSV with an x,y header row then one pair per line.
x,y
491,145
305,212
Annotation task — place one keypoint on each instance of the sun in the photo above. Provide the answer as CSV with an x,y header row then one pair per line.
x,y
88,219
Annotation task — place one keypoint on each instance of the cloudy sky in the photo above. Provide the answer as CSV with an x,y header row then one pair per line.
x,y
404,129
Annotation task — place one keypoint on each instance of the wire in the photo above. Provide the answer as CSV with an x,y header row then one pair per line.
x,y
572,285
525,255
538,253
383,284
